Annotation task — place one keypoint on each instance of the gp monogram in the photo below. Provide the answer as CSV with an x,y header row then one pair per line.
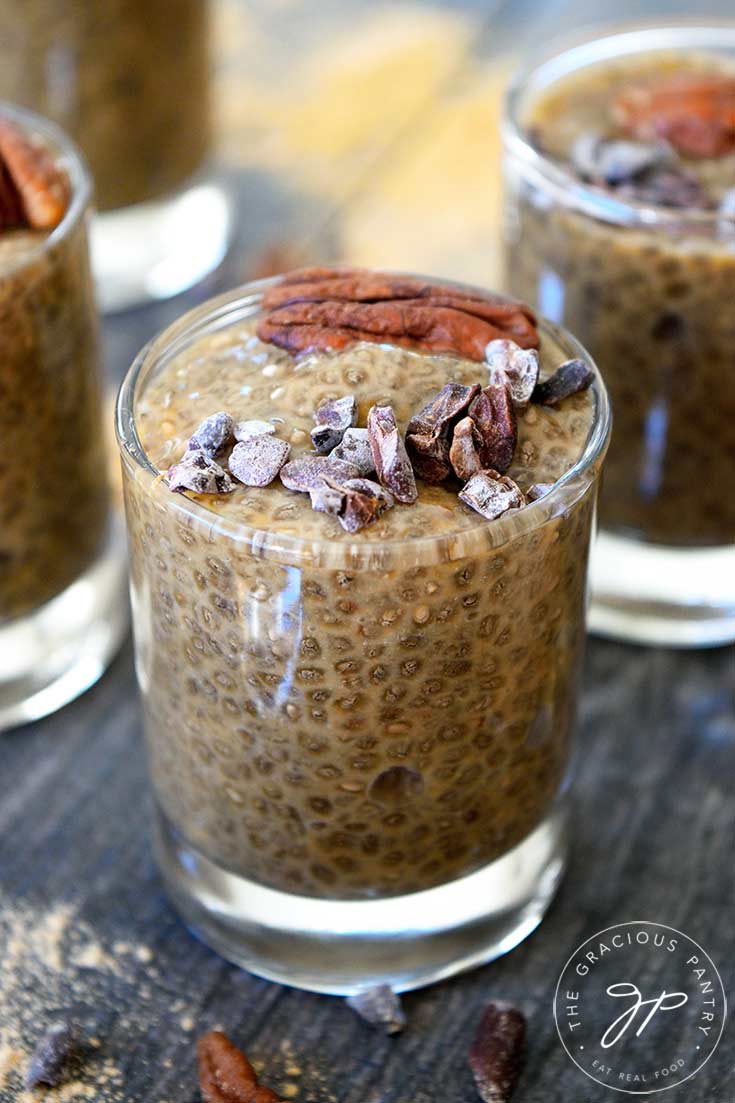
x,y
640,1007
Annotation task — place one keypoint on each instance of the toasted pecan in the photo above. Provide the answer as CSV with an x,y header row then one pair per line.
x,y
226,1075
42,187
318,308
694,112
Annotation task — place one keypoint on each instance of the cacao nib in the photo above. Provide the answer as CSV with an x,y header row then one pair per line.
x,y
538,490
355,448
496,426
244,430
496,1053
213,435
355,502
197,471
568,379
463,454
392,464
257,461
380,1007
54,1054
307,472
491,494
614,161
517,367
332,418
669,187
429,432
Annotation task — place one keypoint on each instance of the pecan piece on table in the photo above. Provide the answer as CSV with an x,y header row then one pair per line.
x,y
332,418
226,1075
42,187
492,495
317,308
392,464
496,426
496,1054
694,112
569,378
428,434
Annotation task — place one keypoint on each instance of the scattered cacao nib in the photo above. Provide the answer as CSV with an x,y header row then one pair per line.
x,y
496,1054
355,448
213,435
307,472
332,418
613,161
463,454
380,1007
492,494
569,378
226,1075
496,427
257,461
392,464
53,1056
669,187
355,502
538,490
198,472
244,430
517,367
327,497
42,188
694,112
330,308
429,432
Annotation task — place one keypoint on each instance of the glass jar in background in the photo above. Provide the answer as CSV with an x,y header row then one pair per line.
x,y
63,608
128,80
649,288
332,837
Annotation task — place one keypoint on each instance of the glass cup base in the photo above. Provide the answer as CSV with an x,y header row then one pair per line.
x,y
156,250
670,597
57,652
341,946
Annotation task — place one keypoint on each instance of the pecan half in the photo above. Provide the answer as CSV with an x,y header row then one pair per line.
x,y
391,460
497,430
42,187
226,1075
496,1053
321,308
694,112
428,435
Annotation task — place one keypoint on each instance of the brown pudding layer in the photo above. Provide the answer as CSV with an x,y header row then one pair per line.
x,y
655,306
352,714
128,81
53,499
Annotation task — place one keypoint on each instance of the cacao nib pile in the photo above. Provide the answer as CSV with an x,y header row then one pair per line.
x,y
464,436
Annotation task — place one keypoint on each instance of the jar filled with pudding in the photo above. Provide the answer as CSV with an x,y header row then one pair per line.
x,y
620,224
129,82
62,604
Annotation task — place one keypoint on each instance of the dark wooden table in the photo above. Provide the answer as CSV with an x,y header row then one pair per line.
x,y
653,834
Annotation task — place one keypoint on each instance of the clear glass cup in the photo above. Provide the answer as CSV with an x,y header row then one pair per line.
x,y
63,606
650,291
130,84
298,834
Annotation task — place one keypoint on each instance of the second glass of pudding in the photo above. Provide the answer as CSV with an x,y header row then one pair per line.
x,y
620,224
359,741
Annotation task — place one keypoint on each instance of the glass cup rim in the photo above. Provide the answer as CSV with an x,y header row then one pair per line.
x,y
72,162
241,303
565,54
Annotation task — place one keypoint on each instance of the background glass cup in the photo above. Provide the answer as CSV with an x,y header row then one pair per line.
x,y
63,608
330,856
649,290
130,83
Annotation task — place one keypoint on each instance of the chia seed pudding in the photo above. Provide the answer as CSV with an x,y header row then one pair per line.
x,y
53,497
350,714
621,227
128,81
